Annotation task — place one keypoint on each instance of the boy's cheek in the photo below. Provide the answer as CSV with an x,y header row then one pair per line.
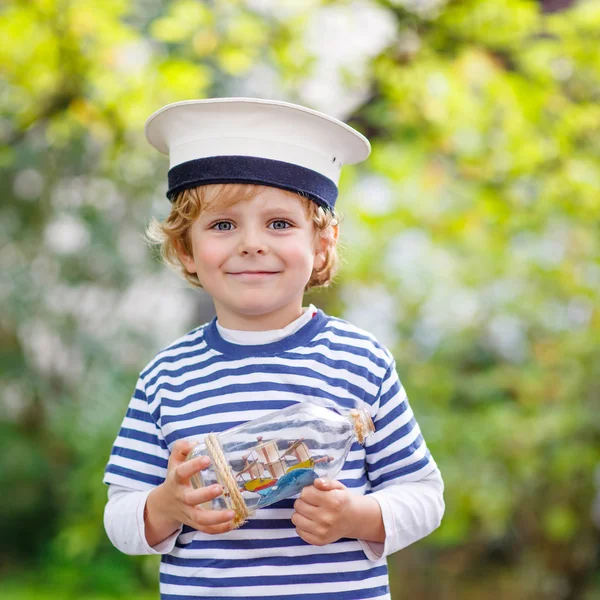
x,y
297,250
209,255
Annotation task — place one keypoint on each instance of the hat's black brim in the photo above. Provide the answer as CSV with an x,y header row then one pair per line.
x,y
253,170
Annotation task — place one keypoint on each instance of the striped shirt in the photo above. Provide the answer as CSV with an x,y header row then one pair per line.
x,y
203,383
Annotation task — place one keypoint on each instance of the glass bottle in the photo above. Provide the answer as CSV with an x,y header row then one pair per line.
x,y
273,457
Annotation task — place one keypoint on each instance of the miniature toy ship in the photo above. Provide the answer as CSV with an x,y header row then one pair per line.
x,y
266,466
256,474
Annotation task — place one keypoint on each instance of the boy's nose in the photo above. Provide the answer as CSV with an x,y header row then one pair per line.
x,y
252,243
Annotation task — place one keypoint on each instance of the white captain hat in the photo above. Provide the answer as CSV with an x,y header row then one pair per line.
x,y
251,140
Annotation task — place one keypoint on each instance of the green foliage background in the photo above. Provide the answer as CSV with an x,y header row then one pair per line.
x,y
470,241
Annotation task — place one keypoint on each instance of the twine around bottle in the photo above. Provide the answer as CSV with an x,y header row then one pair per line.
x,y
226,479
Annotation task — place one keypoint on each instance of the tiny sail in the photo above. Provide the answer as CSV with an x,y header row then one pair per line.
x,y
266,465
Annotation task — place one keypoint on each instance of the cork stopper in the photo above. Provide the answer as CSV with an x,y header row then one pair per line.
x,y
363,424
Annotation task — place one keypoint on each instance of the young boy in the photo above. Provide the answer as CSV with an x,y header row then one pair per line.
x,y
253,185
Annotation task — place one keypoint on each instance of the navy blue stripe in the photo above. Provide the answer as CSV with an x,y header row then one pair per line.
x,y
232,408
373,592
354,464
268,524
135,475
353,483
226,544
139,394
264,561
140,415
142,436
254,170
149,459
407,470
267,580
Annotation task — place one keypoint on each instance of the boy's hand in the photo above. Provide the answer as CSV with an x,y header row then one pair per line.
x,y
324,512
176,502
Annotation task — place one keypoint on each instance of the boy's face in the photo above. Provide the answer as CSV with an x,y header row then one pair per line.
x,y
255,259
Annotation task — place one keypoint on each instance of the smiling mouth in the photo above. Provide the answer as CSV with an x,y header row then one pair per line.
x,y
255,273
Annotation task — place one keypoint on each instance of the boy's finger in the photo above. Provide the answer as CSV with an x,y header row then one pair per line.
x,y
185,470
181,448
214,517
301,522
195,497
328,484
216,529
311,495
307,510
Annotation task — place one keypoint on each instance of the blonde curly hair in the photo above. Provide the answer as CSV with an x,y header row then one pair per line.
x,y
172,234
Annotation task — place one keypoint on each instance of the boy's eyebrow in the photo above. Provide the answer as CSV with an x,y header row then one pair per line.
x,y
286,210
215,213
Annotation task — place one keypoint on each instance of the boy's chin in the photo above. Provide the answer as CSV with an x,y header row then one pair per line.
x,y
260,310
252,308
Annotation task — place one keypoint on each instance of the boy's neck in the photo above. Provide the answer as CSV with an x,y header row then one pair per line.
x,y
266,322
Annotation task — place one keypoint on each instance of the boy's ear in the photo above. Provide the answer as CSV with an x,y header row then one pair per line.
x,y
186,260
324,243
336,232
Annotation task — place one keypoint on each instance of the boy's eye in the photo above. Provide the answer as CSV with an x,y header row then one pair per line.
x,y
223,226
279,224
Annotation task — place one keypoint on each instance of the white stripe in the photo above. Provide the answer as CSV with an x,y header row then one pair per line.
x,y
274,590
284,551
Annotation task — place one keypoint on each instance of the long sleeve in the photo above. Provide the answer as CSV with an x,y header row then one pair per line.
x,y
404,477
124,522
410,512
137,464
